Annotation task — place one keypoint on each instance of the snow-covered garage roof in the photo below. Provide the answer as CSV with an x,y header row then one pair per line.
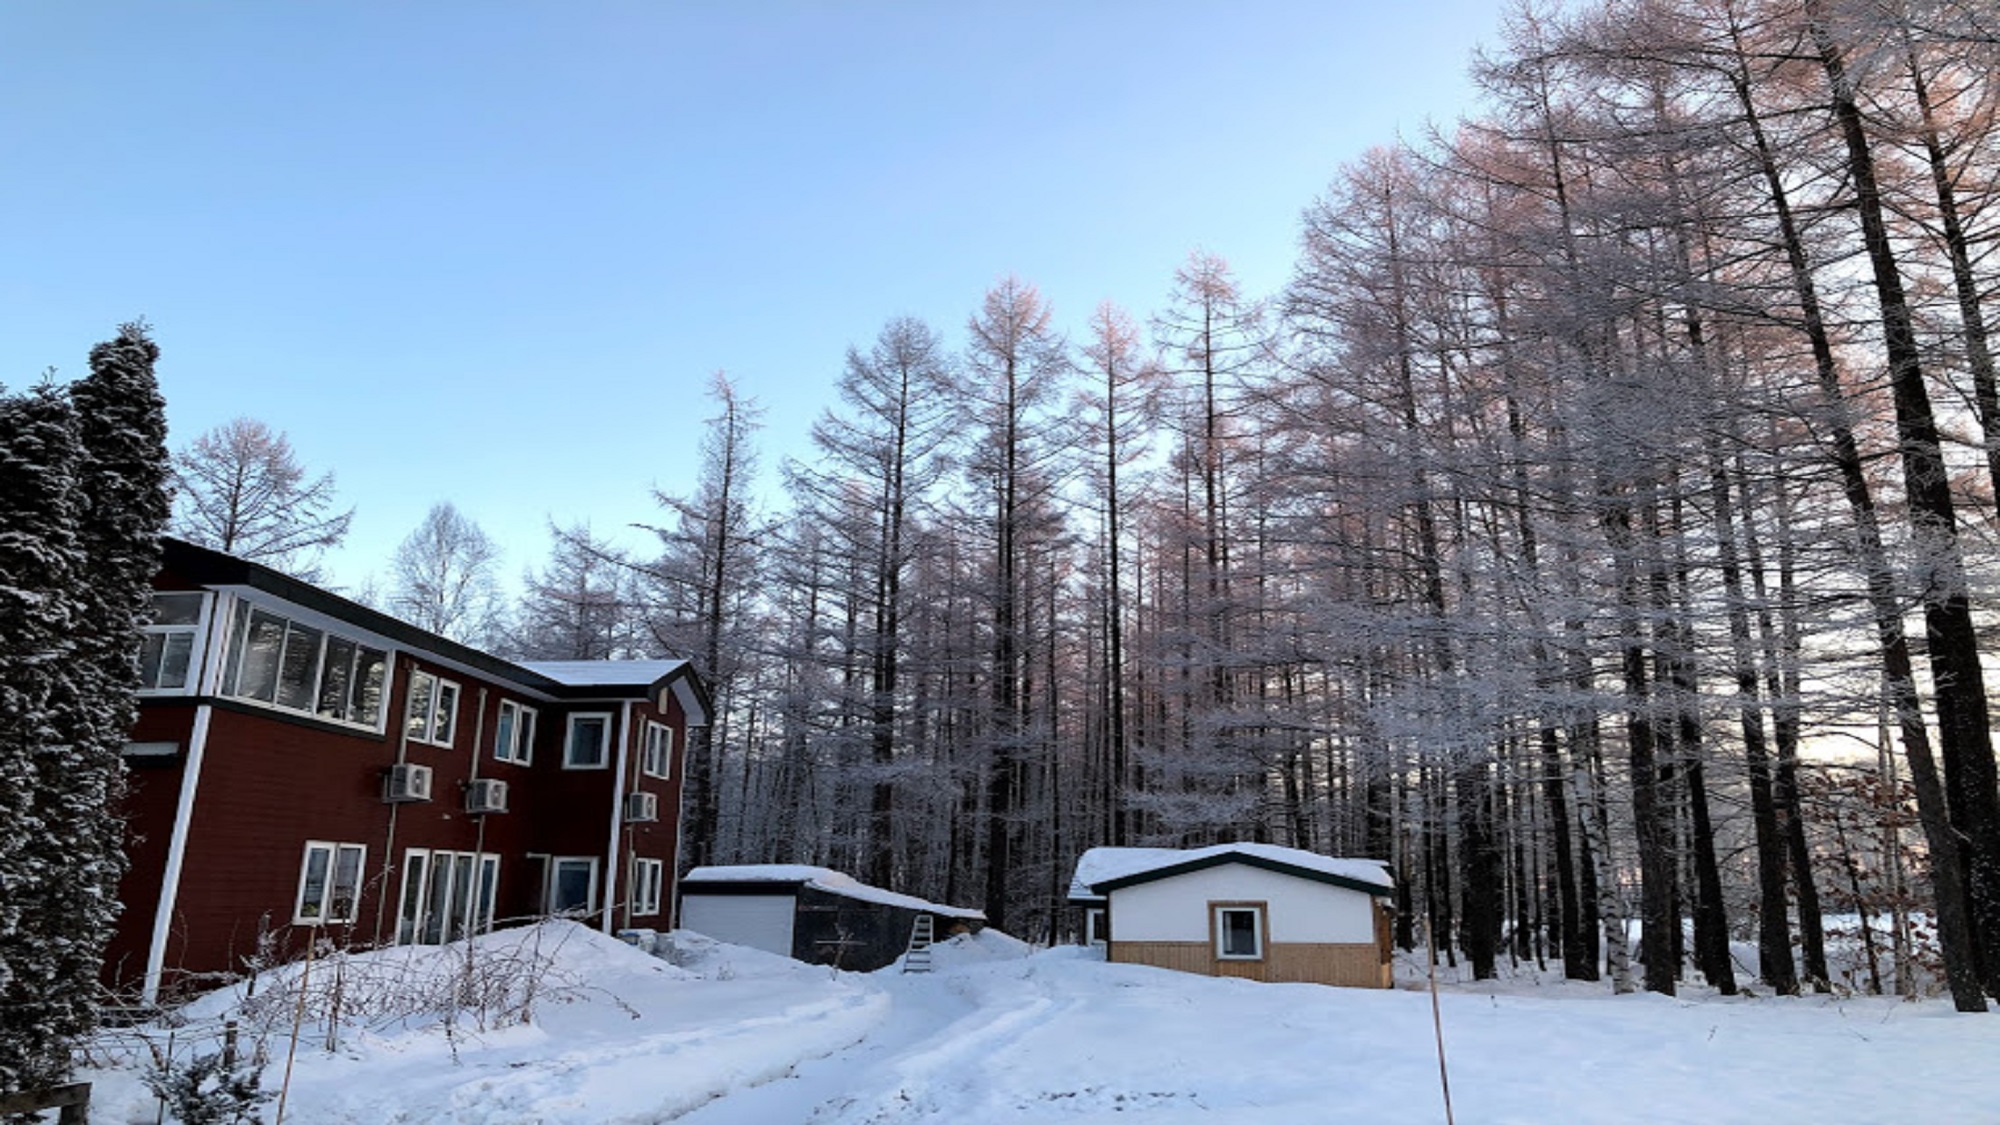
x,y
821,878
1100,870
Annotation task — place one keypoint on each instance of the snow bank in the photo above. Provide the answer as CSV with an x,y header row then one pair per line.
x,y
1001,1034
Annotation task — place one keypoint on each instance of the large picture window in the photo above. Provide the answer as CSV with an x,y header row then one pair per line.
x,y
588,746
514,733
329,883
296,667
166,655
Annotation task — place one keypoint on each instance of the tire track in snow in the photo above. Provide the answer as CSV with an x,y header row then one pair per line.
x,y
906,1085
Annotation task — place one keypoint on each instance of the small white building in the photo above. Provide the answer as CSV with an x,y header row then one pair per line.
x,y
1257,911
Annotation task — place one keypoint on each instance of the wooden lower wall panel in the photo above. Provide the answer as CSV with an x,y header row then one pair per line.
x,y
1353,966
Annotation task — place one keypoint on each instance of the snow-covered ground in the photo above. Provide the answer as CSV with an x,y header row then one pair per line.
x,y
722,1035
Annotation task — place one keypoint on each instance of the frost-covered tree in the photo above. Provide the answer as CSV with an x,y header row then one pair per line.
x,y
241,490
699,587
41,564
443,578
580,604
82,503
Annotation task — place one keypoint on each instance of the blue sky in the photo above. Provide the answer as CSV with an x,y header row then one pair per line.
x,y
490,253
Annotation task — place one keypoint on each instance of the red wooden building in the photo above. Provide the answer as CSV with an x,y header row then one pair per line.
x,y
304,764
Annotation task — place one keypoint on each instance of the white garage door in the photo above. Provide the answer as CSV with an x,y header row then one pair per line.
x,y
759,921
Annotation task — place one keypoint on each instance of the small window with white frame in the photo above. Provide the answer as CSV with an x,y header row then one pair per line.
x,y
658,758
649,878
514,733
329,883
1239,931
167,654
572,888
433,711
588,745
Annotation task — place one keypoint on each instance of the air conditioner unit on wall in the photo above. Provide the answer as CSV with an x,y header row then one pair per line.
x,y
407,782
485,796
642,807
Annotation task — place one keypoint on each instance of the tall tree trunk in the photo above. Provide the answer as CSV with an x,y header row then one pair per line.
x,y
1972,797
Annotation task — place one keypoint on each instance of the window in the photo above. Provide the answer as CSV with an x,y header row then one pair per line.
x,y
167,653
329,883
1095,931
277,661
658,758
433,709
572,884
446,895
1239,931
514,733
588,746
648,877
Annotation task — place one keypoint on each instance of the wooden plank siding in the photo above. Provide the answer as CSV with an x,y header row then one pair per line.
x,y
1357,965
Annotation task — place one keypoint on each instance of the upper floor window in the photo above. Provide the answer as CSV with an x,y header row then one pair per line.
x,y
658,757
275,660
514,733
433,710
166,656
588,746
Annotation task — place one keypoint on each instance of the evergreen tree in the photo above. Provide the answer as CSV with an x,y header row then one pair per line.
x,y
40,566
83,499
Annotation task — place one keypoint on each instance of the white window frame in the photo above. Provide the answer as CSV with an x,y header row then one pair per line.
x,y
555,866
1259,926
195,633
649,879
657,757
570,761
514,733
237,650
414,916
323,907
438,722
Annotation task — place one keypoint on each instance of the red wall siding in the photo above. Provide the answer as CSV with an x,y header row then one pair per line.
x,y
271,782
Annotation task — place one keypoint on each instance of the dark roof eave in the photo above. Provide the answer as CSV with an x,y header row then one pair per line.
x,y
209,567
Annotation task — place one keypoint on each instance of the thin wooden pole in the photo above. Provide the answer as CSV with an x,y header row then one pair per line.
x,y
1437,1025
298,1019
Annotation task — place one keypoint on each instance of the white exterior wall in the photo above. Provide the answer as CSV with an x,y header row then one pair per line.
x,y
758,921
1301,910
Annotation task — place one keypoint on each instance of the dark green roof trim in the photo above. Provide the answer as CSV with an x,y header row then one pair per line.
x,y
1327,877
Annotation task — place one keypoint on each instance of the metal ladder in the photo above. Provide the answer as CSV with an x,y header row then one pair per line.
x,y
918,959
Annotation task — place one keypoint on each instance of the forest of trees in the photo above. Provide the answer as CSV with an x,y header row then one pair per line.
x,y
1597,528
1600,527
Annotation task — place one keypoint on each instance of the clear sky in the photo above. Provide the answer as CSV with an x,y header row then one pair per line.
x,y
491,252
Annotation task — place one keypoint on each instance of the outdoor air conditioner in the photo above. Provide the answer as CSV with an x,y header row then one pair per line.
x,y
407,782
642,807
485,796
